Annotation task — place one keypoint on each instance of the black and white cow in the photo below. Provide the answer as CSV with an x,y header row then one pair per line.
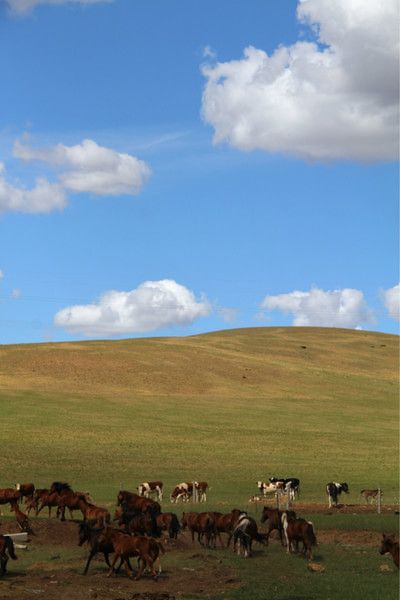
x,y
291,485
268,488
334,490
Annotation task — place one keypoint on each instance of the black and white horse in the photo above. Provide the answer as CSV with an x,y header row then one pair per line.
x,y
244,533
334,490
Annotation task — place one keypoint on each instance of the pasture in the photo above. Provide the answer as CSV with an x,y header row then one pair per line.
x,y
229,407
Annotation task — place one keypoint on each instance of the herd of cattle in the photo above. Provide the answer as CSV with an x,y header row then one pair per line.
x,y
141,522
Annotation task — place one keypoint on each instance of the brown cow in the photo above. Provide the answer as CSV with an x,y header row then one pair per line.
x,y
299,530
370,495
6,552
151,487
147,550
201,487
390,545
274,518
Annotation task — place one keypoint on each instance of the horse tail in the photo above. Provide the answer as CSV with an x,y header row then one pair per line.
x,y
10,547
313,538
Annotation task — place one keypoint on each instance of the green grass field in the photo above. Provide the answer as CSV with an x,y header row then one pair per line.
x,y
229,407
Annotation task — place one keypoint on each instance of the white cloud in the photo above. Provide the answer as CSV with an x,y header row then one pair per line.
x,y
335,99
391,299
15,293
20,7
91,168
338,308
44,197
152,305
1,275
229,315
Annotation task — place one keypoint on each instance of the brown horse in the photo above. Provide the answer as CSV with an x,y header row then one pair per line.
x,y
299,530
21,518
72,501
139,503
48,500
6,552
201,523
390,545
9,495
26,490
125,546
169,522
274,518
96,515
225,523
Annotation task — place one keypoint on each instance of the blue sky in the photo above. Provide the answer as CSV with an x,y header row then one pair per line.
x,y
218,187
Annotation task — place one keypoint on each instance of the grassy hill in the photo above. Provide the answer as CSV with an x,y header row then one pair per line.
x,y
229,407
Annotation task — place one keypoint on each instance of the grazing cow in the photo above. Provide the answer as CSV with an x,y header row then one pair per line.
x,y
390,545
370,495
291,485
334,490
201,523
151,487
21,518
268,488
299,530
274,518
182,491
244,533
169,522
6,552
147,550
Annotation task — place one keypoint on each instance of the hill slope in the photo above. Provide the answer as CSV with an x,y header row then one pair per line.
x,y
230,407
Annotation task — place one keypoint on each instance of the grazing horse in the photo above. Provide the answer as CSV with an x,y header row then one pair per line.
x,y
299,530
201,523
151,487
6,552
274,518
244,533
169,522
21,518
226,523
370,495
390,545
334,490
125,546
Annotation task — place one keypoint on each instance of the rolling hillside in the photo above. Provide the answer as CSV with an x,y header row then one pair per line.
x,y
229,407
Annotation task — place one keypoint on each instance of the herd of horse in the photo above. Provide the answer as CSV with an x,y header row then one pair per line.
x,y
136,528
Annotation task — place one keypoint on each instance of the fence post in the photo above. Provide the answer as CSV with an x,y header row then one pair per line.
x,y
194,495
379,501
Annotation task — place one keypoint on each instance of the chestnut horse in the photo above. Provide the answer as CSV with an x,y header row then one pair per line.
x,y
6,552
201,523
147,550
390,545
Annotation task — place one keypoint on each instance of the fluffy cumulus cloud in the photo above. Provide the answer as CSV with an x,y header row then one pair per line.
x,y
337,308
91,168
152,305
391,299
334,98
44,197
20,7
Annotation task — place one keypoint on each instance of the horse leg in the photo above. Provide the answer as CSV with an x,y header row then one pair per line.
x,y
89,560
111,571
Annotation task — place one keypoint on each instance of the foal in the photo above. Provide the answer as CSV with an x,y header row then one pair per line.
x,y
22,518
390,545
